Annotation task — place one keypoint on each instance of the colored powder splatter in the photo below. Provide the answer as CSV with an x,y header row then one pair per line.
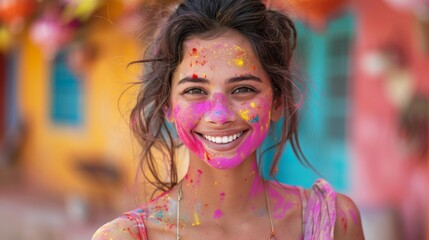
x,y
354,216
239,62
200,171
255,119
194,76
344,223
217,214
206,156
196,219
245,114
222,196
252,104
194,52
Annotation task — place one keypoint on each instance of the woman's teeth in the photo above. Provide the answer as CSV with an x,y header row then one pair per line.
x,y
223,139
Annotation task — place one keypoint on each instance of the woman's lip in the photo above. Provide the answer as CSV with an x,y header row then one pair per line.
x,y
222,146
221,133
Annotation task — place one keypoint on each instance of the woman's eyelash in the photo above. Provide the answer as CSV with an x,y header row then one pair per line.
x,y
244,90
194,91
238,90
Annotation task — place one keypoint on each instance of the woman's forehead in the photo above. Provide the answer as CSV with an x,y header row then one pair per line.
x,y
229,43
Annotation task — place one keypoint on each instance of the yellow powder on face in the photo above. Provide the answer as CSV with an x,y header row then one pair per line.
x,y
252,104
244,114
239,62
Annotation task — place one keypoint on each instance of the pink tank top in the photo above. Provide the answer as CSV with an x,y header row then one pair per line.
x,y
318,211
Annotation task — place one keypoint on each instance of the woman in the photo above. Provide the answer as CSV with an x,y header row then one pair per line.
x,y
219,73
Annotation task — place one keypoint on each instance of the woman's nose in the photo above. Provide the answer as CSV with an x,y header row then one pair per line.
x,y
220,111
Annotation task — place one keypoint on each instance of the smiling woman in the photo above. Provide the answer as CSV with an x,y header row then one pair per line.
x,y
219,73
221,118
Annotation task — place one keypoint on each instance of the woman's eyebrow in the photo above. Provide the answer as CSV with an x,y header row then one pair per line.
x,y
240,78
193,80
244,78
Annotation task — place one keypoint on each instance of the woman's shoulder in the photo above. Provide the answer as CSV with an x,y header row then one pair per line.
x,y
122,228
326,213
155,215
339,208
348,224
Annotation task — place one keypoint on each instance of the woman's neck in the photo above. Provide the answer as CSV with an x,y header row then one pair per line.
x,y
212,193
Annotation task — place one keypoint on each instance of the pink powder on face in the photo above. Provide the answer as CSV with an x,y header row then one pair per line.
x,y
218,109
257,135
224,59
217,214
186,117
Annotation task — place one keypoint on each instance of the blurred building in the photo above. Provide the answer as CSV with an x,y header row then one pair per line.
x,y
66,93
67,158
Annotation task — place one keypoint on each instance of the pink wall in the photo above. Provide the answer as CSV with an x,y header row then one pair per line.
x,y
380,165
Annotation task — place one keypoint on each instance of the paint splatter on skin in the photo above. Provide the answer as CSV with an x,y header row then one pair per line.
x,y
255,120
231,53
194,52
354,216
238,62
218,109
217,214
218,101
196,219
244,114
222,196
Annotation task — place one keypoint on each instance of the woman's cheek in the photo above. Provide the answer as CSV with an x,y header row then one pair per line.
x,y
256,113
186,116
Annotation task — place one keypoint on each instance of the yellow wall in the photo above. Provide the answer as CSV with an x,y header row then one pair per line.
x,y
51,151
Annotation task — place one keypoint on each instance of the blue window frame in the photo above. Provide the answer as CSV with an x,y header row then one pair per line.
x,y
66,94
324,59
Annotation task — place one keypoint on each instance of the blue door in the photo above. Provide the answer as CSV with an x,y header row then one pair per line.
x,y
324,63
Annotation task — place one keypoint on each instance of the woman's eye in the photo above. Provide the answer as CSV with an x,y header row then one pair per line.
x,y
243,90
194,91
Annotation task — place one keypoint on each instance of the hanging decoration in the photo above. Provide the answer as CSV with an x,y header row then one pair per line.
x,y
15,11
314,13
50,33
80,9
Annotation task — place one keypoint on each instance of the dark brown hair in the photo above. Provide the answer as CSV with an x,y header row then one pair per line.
x,y
272,36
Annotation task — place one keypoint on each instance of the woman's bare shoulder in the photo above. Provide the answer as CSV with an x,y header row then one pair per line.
x,y
120,228
348,224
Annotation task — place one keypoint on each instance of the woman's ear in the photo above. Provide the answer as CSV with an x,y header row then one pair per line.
x,y
277,109
168,114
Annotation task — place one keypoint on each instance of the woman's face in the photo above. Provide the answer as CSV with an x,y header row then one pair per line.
x,y
221,100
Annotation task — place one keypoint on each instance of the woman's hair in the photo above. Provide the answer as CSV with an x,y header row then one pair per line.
x,y
272,36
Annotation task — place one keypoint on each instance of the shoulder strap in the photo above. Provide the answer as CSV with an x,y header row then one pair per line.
x,y
136,217
303,198
320,214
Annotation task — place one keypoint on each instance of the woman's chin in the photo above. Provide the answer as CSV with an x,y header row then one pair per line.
x,y
225,162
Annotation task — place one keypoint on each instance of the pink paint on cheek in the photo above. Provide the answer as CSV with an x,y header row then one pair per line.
x,y
186,117
260,123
